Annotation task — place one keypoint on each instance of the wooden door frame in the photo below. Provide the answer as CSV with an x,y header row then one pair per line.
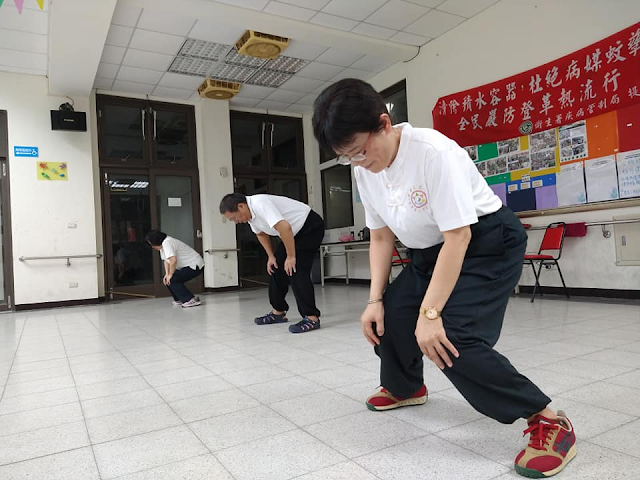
x,y
8,303
156,288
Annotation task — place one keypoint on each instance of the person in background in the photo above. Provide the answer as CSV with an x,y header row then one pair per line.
x,y
301,231
181,264
466,253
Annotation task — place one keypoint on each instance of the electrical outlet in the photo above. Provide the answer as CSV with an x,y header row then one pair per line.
x,y
73,284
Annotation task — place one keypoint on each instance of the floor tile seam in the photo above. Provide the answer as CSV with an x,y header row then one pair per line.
x,y
158,466
13,360
84,418
47,455
560,396
591,380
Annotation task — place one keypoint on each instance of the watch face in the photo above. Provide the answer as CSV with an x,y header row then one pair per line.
x,y
432,313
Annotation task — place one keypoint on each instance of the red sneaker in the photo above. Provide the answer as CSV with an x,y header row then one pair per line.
x,y
552,445
384,400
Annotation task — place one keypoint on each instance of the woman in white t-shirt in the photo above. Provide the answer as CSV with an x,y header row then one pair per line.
x,y
181,264
466,253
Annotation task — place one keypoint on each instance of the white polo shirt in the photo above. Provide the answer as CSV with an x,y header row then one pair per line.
x,y
186,256
267,210
431,187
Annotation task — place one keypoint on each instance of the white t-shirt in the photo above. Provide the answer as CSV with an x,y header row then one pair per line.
x,y
187,256
431,187
267,210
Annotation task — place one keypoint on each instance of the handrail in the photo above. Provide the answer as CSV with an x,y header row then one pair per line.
x,y
226,251
61,257
605,233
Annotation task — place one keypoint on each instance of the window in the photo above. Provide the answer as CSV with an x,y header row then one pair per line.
x,y
396,99
337,200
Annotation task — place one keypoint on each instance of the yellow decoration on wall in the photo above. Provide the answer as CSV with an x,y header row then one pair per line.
x,y
52,171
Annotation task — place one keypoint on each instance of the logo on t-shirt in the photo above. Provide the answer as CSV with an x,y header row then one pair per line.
x,y
418,198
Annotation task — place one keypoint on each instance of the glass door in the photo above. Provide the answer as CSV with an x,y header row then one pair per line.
x,y
128,217
178,215
123,132
173,134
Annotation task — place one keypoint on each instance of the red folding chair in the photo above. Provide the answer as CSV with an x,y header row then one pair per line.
x,y
397,259
553,240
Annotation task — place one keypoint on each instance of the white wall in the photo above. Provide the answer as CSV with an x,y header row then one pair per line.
x,y
510,37
41,210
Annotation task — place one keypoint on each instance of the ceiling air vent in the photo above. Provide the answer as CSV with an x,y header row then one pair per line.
x,y
261,45
218,89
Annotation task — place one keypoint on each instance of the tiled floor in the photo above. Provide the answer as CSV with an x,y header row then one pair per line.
x,y
142,390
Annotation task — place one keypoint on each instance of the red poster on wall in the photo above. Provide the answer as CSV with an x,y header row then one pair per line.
x,y
602,77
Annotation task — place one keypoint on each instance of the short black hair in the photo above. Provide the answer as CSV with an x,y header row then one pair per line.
x,y
344,109
230,202
155,238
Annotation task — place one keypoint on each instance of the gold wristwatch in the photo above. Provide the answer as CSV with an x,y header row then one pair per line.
x,y
430,313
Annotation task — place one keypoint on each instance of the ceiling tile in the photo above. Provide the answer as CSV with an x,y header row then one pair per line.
x,y
125,15
465,8
312,4
139,75
301,84
354,9
373,31
252,4
434,24
112,54
150,60
285,96
409,39
290,11
216,32
24,41
159,21
131,87
372,63
319,71
103,83
307,51
170,92
31,61
308,99
332,21
156,42
255,91
339,56
298,108
268,105
353,73
321,88
32,21
244,102
396,14
107,70
119,36
427,3
186,82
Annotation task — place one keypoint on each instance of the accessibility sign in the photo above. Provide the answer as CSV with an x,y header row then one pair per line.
x,y
25,151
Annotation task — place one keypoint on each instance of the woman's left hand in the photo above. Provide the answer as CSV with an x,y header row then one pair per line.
x,y
433,341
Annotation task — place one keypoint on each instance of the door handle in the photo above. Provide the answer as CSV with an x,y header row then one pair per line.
x,y
199,233
144,114
154,124
272,129
262,136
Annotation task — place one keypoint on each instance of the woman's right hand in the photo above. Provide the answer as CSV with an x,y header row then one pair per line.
x,y
271,265
372,321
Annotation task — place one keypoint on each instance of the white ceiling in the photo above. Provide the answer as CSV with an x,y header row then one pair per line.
x,y
341,38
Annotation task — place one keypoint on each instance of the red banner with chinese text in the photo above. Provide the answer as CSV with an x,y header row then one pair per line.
x,y
602,77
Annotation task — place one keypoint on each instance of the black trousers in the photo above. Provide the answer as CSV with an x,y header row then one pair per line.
x,y
472,320
308,241
177,287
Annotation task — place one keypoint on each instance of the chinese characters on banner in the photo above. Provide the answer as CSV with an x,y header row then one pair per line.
x,y
602,77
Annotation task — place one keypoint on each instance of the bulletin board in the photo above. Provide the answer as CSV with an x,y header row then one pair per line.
x,y
563,134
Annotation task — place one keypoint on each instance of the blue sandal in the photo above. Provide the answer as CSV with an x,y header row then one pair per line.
x,y
271,318
304,325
